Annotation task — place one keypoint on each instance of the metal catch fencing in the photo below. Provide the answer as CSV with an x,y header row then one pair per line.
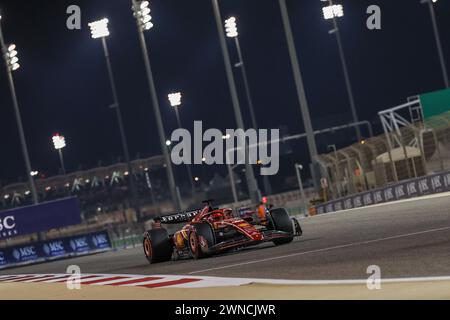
x,y
411,151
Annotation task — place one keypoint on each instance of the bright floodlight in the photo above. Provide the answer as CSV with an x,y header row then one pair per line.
x,y
175,99
142,14
231,28
11,58
59,141
99,29
330,12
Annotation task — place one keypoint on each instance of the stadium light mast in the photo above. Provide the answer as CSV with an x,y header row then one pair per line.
x,y
59,142
332,12
438,40
141,12
254,193
176,102
9,53
303,102
231,31
99,30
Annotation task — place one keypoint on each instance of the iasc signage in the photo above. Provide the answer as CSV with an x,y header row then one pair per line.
x,y
55,249
8,226
422,186
38,218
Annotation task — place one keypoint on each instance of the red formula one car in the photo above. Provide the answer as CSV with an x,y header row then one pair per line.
x,y
210,231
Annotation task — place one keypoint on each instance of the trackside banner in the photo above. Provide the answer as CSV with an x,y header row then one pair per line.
x,y
55,249
41,217
407,189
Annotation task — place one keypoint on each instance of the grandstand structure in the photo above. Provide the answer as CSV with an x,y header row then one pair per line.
x,y
415,143
102,189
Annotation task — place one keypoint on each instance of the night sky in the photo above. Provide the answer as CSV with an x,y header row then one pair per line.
x,y
63,86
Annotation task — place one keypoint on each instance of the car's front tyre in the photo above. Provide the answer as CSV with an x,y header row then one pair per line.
x,y
282,222
201,239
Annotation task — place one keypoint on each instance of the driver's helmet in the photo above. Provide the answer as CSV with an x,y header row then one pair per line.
x,y
227,213
218,216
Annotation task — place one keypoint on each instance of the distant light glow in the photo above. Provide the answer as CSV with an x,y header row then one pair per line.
x,y
231,28
59,141
168,143
99,29
34,173
330,12
175,99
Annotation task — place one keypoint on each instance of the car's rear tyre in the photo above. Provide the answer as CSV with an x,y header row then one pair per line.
x,y
282,222
201,239
157,246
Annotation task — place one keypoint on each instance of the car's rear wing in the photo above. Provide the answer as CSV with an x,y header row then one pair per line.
x,y
181,217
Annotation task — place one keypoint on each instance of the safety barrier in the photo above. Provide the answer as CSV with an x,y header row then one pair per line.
x,y
55,249
432,184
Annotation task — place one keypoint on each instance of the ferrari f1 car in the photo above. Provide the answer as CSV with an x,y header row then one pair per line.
x,y
210,231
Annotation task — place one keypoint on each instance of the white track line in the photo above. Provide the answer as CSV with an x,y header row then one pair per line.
x,y
354,244
384,204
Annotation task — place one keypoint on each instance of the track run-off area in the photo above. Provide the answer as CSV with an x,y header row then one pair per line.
x,y
408,240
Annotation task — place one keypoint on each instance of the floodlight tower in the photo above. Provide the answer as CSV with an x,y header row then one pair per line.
x,y
141,11
175,102
59,142
254,192
9,53
100,30
332,12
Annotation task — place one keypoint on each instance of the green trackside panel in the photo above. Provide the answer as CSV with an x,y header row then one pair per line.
x,y
435,103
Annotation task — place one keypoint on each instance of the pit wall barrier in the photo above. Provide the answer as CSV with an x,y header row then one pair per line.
x,y
55,249
427,185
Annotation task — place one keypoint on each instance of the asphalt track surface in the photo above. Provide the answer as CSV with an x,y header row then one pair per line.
x,y
405,239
